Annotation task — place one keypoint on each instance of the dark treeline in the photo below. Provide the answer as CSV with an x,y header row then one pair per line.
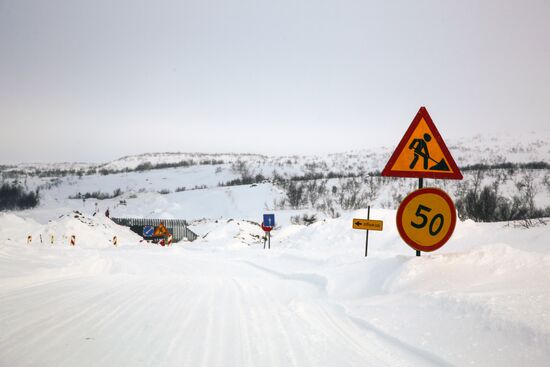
x,y
506,165
10,173
244,180
254,179
97,195
186,163
104,171
14,197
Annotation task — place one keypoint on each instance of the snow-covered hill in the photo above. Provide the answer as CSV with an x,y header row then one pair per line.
x,y
167,188
526,147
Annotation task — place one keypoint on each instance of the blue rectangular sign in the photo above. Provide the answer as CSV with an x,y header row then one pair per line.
x,y
269,220
148,231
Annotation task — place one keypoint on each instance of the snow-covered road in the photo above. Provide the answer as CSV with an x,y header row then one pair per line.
x,y
312,300
176,307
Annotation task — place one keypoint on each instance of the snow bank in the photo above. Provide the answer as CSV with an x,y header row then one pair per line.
x,y
90,231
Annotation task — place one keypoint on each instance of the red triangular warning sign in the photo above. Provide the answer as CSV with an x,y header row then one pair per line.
x,y
422,153
160,231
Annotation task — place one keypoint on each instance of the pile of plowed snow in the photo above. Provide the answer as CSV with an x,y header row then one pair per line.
x,y
90,231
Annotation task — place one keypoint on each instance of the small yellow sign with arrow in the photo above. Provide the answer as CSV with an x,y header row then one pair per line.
x,y
367,225
370,225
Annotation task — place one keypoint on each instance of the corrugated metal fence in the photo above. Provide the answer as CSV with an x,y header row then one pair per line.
x,y
179,226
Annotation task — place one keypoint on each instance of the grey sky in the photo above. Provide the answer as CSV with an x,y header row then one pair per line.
x,y
96,80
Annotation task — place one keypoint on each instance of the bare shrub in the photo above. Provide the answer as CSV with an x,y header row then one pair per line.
x,y
240,167
305,219
295,194
314,190
351,195
486,205
97,195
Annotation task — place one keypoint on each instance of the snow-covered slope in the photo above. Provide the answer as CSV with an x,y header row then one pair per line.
x,y
177,192
519,148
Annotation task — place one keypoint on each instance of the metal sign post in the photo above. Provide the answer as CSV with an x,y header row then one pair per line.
x,y
267,225
367,240
368,225
420,185
267,231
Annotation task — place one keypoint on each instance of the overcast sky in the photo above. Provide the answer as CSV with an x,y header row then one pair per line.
x,y
96,80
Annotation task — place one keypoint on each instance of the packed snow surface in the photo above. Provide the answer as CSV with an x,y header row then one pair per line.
x,y
313,299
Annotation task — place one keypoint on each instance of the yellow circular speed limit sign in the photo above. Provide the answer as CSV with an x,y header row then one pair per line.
x,y
426,219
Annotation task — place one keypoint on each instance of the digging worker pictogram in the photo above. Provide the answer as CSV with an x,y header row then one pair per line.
x,y
420,147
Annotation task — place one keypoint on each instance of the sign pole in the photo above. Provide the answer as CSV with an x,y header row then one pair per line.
x,y
367,225
267,225
367,240
420,185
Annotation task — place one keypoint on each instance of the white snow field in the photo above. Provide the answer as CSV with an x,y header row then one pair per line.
x,y
313,299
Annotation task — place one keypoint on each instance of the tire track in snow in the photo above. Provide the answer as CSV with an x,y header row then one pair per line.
x,y
409,352
199,311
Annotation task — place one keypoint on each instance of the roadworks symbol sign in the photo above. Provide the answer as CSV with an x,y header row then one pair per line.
x,y
422,152
160,231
